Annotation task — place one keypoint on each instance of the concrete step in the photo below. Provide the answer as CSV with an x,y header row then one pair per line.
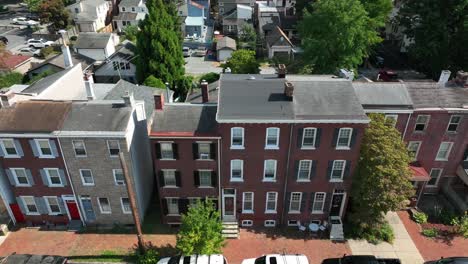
x,y
230,231
236,236
230,223
230,226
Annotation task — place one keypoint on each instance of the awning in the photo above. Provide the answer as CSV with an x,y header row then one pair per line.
x,y
419,174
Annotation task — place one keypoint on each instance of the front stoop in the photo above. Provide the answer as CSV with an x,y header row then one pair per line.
x,y
230,230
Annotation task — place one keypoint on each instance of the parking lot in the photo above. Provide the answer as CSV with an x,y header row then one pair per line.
x,y
201,65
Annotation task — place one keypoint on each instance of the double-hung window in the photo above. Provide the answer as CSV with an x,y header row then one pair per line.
x,y
308,137
43,145
435,175
453,123
271,199
205,178
118,177
52,205
272,138
237,167
53,176
413,149
247,202
444,151
204,151
172,206
391,118
344,138
269,170
87,177
169,178
421,123
295,202
104,205
303,172
30,205
20,176
79,148
125,202
114,147
166,150
319,202
337,171
9,148
237,138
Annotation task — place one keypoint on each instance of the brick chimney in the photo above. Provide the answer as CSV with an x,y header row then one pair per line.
x,y
288,90
281,71
204,91
158,101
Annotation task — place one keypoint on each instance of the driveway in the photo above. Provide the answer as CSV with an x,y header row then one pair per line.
x,y
199,65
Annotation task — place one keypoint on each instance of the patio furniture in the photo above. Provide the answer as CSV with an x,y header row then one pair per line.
x,y
301,228
314,227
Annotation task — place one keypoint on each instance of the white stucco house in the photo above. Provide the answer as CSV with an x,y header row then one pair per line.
x,y
90,15
97,46
131,12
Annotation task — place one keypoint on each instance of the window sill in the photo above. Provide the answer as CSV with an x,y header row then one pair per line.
x,y
23,185
173,215
317,212
55,214
308,148
205,187
294,212
271,147
441,160
12,157
114,156
247,212
81,156
55,186
342,148
204,159
33,214
46,157
303,181
451,132
336,180
127,213
171,187
237,180
237,147
270,212
88,184
167,159
267,180
106,213
431,186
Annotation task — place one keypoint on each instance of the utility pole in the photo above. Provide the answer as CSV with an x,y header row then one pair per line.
x,y
133,206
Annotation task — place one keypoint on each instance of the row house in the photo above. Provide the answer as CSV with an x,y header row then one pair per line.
x,y
90,15
131,12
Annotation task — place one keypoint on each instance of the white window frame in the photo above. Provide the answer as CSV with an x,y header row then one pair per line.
x,y
108,147
167,204
200,174
46,199
164,171
200,157
269,223
241,169
315,201
298,223
349,138
419,123
123,207
299,170
452,123
417,151
232,138
244,211
246,223
82,178
437,179
342,172
114,173
290,211
26,206
15,177
265,169
304,136
100,206
84,147
38,146
46,170
392,116
276,146
161,148
266,203
2,145
449,150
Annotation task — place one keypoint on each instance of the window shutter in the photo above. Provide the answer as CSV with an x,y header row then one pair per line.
x,y
178,179
335,137
19,149
164,205
62,177
196,178
311,202
21,205
303,202
216,204
10,177
353,137
161,179
158,150
326,206
214,179
44,177
183,205
195,150
53,148
313,169
329,170
317,137
61,204
296,169
41,205
34,149
175,151
347,169
30,177
212,151
300,132
2,154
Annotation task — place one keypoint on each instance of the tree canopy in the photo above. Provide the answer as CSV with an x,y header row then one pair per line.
x,y
378,11
243,61
382,179
248,35
200,231
33,5
337,34
54,12
439,31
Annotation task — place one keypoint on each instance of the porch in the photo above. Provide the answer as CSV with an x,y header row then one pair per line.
x,y
455,189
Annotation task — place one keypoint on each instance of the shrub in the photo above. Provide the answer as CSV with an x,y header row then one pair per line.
x,y
420,217
386,233
430,232
151,256
447,216
46,51
8,79
210,77
374,234
73,38
154,82
461,225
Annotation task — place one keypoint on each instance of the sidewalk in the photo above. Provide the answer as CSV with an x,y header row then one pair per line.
x,y
402,247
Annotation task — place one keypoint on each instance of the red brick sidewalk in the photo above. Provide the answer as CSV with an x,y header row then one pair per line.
x,y
432,249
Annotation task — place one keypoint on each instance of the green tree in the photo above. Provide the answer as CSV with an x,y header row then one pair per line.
x,y
381,182
378,10
33,5
131,32
200,232
439,30
243,61
8,79
152,81
159,46
54,12
336,34
248,35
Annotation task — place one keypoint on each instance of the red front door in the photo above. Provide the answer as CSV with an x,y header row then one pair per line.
x,y
17,213
73,209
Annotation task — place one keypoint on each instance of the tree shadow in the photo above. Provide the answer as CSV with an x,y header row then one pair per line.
x,y
288,233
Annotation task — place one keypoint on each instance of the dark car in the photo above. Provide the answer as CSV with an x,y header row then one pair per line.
x,y
4,40
361,259
32,259
451,260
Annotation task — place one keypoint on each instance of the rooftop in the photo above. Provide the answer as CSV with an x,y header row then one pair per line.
x,y
226,42
92,40
278,38
58,61
432,95
44,83
125,16
194,21
383,95
129,3
195,96
10,61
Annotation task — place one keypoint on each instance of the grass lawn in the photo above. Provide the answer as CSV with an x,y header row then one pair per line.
x,y
105,256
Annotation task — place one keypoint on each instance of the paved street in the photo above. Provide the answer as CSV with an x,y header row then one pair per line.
x,y
198,66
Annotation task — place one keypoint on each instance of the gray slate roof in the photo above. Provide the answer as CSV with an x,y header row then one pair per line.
x,y
263,99
44,83
129,3
195,96
226,43
97,116
430,95
383,95
193,118
92,40
59,62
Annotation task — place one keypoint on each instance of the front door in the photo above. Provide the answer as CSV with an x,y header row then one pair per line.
x,y
229,204
337,204
73,209
15,209
88,209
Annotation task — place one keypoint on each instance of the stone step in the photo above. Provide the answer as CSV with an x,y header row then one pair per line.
x,y
231,235
230,231
230,223
230,226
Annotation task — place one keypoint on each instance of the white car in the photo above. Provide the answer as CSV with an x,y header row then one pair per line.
x,y
27,51
38,43
194,259
278,259
24,21
186,51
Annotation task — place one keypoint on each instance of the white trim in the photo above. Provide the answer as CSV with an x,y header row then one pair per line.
x,y
450,122
100,206
48,205
6,155
242,146
224,196
315,200
299,170
276,146
290,203
15,177
417,151
246,223
164,178
41,155
437,179
342,172
108,147
167,205
442,109
264,171
349,138
242,171
298,223
211,174
91,134
26,206
269,223
303,136
46,170
266,203
27,135
74,148
388,111
449,150
290,121
115,178
121,203
426,124
343,201
82,178
181,137
243,203
390,116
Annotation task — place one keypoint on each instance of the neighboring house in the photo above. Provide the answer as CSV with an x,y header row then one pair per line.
x,y
227,6
12,62
97,46
90,15
56,64
267,18
236,18
194,16
131,12
279,45
120,65
224,48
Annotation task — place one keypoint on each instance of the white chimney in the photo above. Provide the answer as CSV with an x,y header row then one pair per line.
x,y
128,98
88,80
66,51
444,77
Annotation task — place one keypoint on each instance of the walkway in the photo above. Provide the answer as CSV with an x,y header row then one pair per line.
x,y
402,247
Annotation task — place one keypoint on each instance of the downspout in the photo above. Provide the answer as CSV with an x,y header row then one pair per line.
x,y
406,126
71,184
219,177
287,172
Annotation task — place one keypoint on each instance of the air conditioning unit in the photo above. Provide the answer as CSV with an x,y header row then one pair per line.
x,y
204,156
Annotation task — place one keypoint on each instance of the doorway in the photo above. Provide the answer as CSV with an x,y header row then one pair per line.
x,y
88,208
337,203
229,204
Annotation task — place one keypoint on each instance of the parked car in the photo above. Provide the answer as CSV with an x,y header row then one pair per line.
x,y
33,16
24,21
450,260
32,259
361,259
4,40
387,76
27,51
194,259
186,51
200,51
38,43
278,259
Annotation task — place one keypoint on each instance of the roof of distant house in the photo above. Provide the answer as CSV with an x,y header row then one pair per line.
x,y
94,2
34,116
58,61
278,38
12,61
92,40
261,98
194,21
126,16
195,96
431,94
129,3
42,84
226,43
382,95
